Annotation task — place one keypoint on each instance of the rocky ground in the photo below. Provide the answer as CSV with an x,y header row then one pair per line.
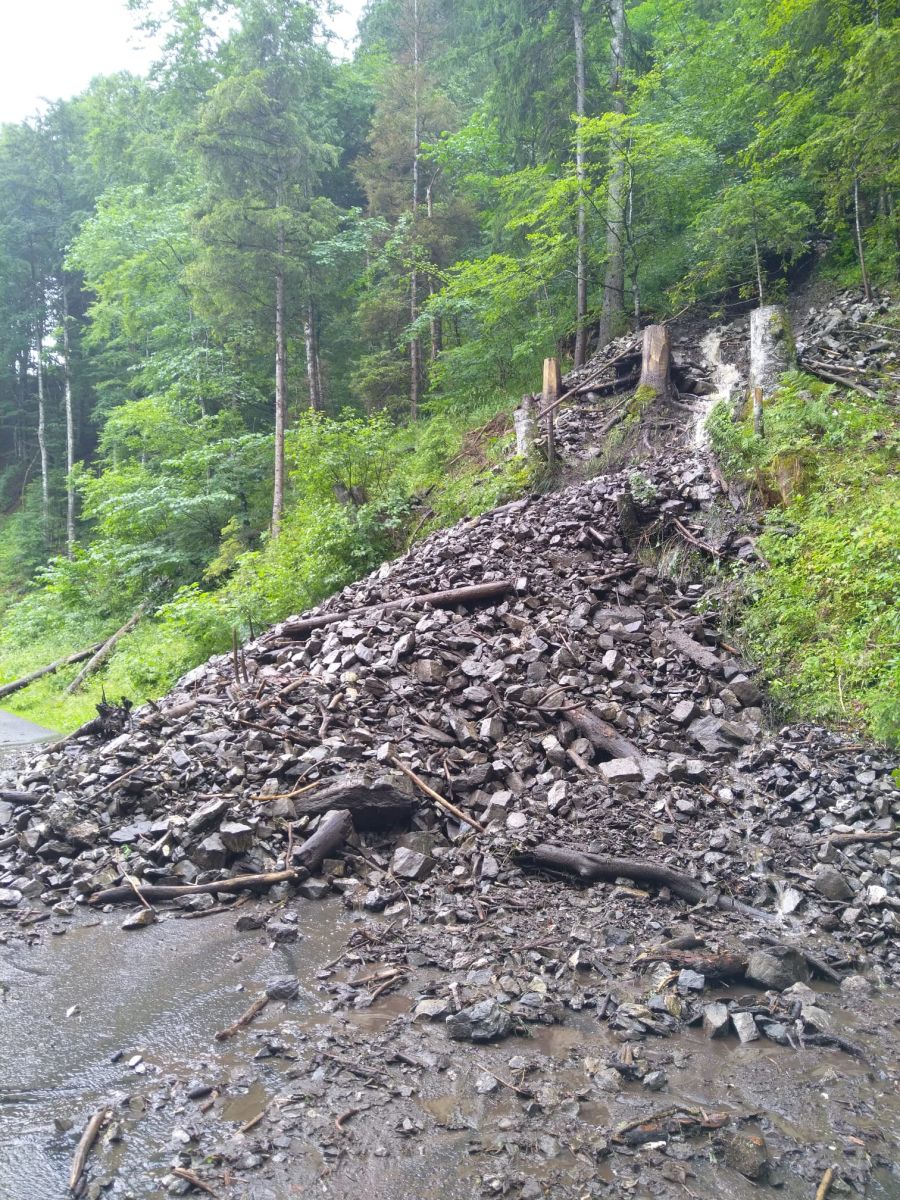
x,y
652,952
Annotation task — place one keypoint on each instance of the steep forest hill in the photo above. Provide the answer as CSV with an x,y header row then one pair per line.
x,y
265,314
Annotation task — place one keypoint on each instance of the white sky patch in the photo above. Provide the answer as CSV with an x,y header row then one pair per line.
x,y
51,49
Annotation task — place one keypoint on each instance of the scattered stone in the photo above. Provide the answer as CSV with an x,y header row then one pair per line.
x,y
139,919
748,1154
777,967
482,1022
286,987
715,1020
831,884
745,1026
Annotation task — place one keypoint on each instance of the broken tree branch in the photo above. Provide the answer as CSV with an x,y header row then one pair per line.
x,y
104,652
435,796
248,1015
16,685
93,1127
446,599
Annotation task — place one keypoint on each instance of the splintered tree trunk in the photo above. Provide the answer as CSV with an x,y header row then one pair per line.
x,y
70,428
614,279
552,391
772,350
656,362
312,358
525,422
867,287
280,390
581,286
42,427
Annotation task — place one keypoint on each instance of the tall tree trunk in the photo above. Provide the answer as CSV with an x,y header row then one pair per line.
x,y
760,287
415,345
312,358
437,331
581,286
614,279
42,424
280,388
867,287
70,425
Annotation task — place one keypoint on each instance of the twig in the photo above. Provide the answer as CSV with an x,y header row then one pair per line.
x,y
689,537
93,1127
194,1180
438,799
134,770
253,1122
244,1019
345,1116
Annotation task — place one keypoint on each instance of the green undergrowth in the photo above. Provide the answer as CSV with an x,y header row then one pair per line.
x,y
822,618
362,490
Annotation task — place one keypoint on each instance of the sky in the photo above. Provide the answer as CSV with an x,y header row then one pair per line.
x,y
51,49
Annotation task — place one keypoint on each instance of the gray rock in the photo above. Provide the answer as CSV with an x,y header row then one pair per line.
x,y
684,711
314,889
207,815
776,1031
748,1154
745,1027
286,987
690,981
777,967
211,853
249,921
432,1007
281,932
140,919
831,884
621,770
715,1020
236,837
9,897
482,1022
410,864
655,1080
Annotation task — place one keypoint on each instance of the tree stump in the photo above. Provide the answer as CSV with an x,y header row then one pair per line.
x,y
525,422
552,391
772,350
656,361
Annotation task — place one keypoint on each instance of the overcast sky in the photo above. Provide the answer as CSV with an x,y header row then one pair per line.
x,y
51,49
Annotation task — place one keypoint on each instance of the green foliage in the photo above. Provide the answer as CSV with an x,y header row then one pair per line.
x,y
822,619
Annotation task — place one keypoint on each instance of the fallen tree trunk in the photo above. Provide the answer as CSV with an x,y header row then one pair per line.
x,y
373,798
591,868
104,652
602,735
333,831
447,599
16,685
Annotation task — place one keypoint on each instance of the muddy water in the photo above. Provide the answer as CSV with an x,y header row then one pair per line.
x,y
77,1009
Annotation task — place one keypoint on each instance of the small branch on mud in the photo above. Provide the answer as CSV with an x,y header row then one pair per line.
x,y
248,1015
679,1119
194,1181
156,891
121,778
345,1116
92,1129
695,541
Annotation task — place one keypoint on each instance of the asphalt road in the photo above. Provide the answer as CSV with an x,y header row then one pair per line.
x,y
16,732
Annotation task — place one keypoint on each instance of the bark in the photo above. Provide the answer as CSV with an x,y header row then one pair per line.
x,y
70,427
591,868
447,599
614,280
16,685
312,358
280,389
550,397
524,420
375,799
656,362
581,251
42,424
415,345
104,652
772,350
759,427
603,736
867,287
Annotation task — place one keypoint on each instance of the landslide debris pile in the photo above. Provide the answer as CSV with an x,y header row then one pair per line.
x,y
592,707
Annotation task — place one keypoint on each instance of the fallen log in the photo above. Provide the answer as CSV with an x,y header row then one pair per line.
x,y
100,657
333,830
602,735
662,1125
713,966
447,599
16,685
375,799
591,868
842,380
93,1127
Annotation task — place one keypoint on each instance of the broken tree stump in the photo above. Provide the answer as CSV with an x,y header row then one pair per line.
x,y
772,350
656,361
526,426
551,392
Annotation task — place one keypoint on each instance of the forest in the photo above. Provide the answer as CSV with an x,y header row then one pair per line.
x,y
265,313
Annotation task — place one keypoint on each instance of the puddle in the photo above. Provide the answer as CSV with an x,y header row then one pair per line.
x,y
161,993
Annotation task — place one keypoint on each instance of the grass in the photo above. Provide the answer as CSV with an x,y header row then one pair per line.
x,y
822,619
